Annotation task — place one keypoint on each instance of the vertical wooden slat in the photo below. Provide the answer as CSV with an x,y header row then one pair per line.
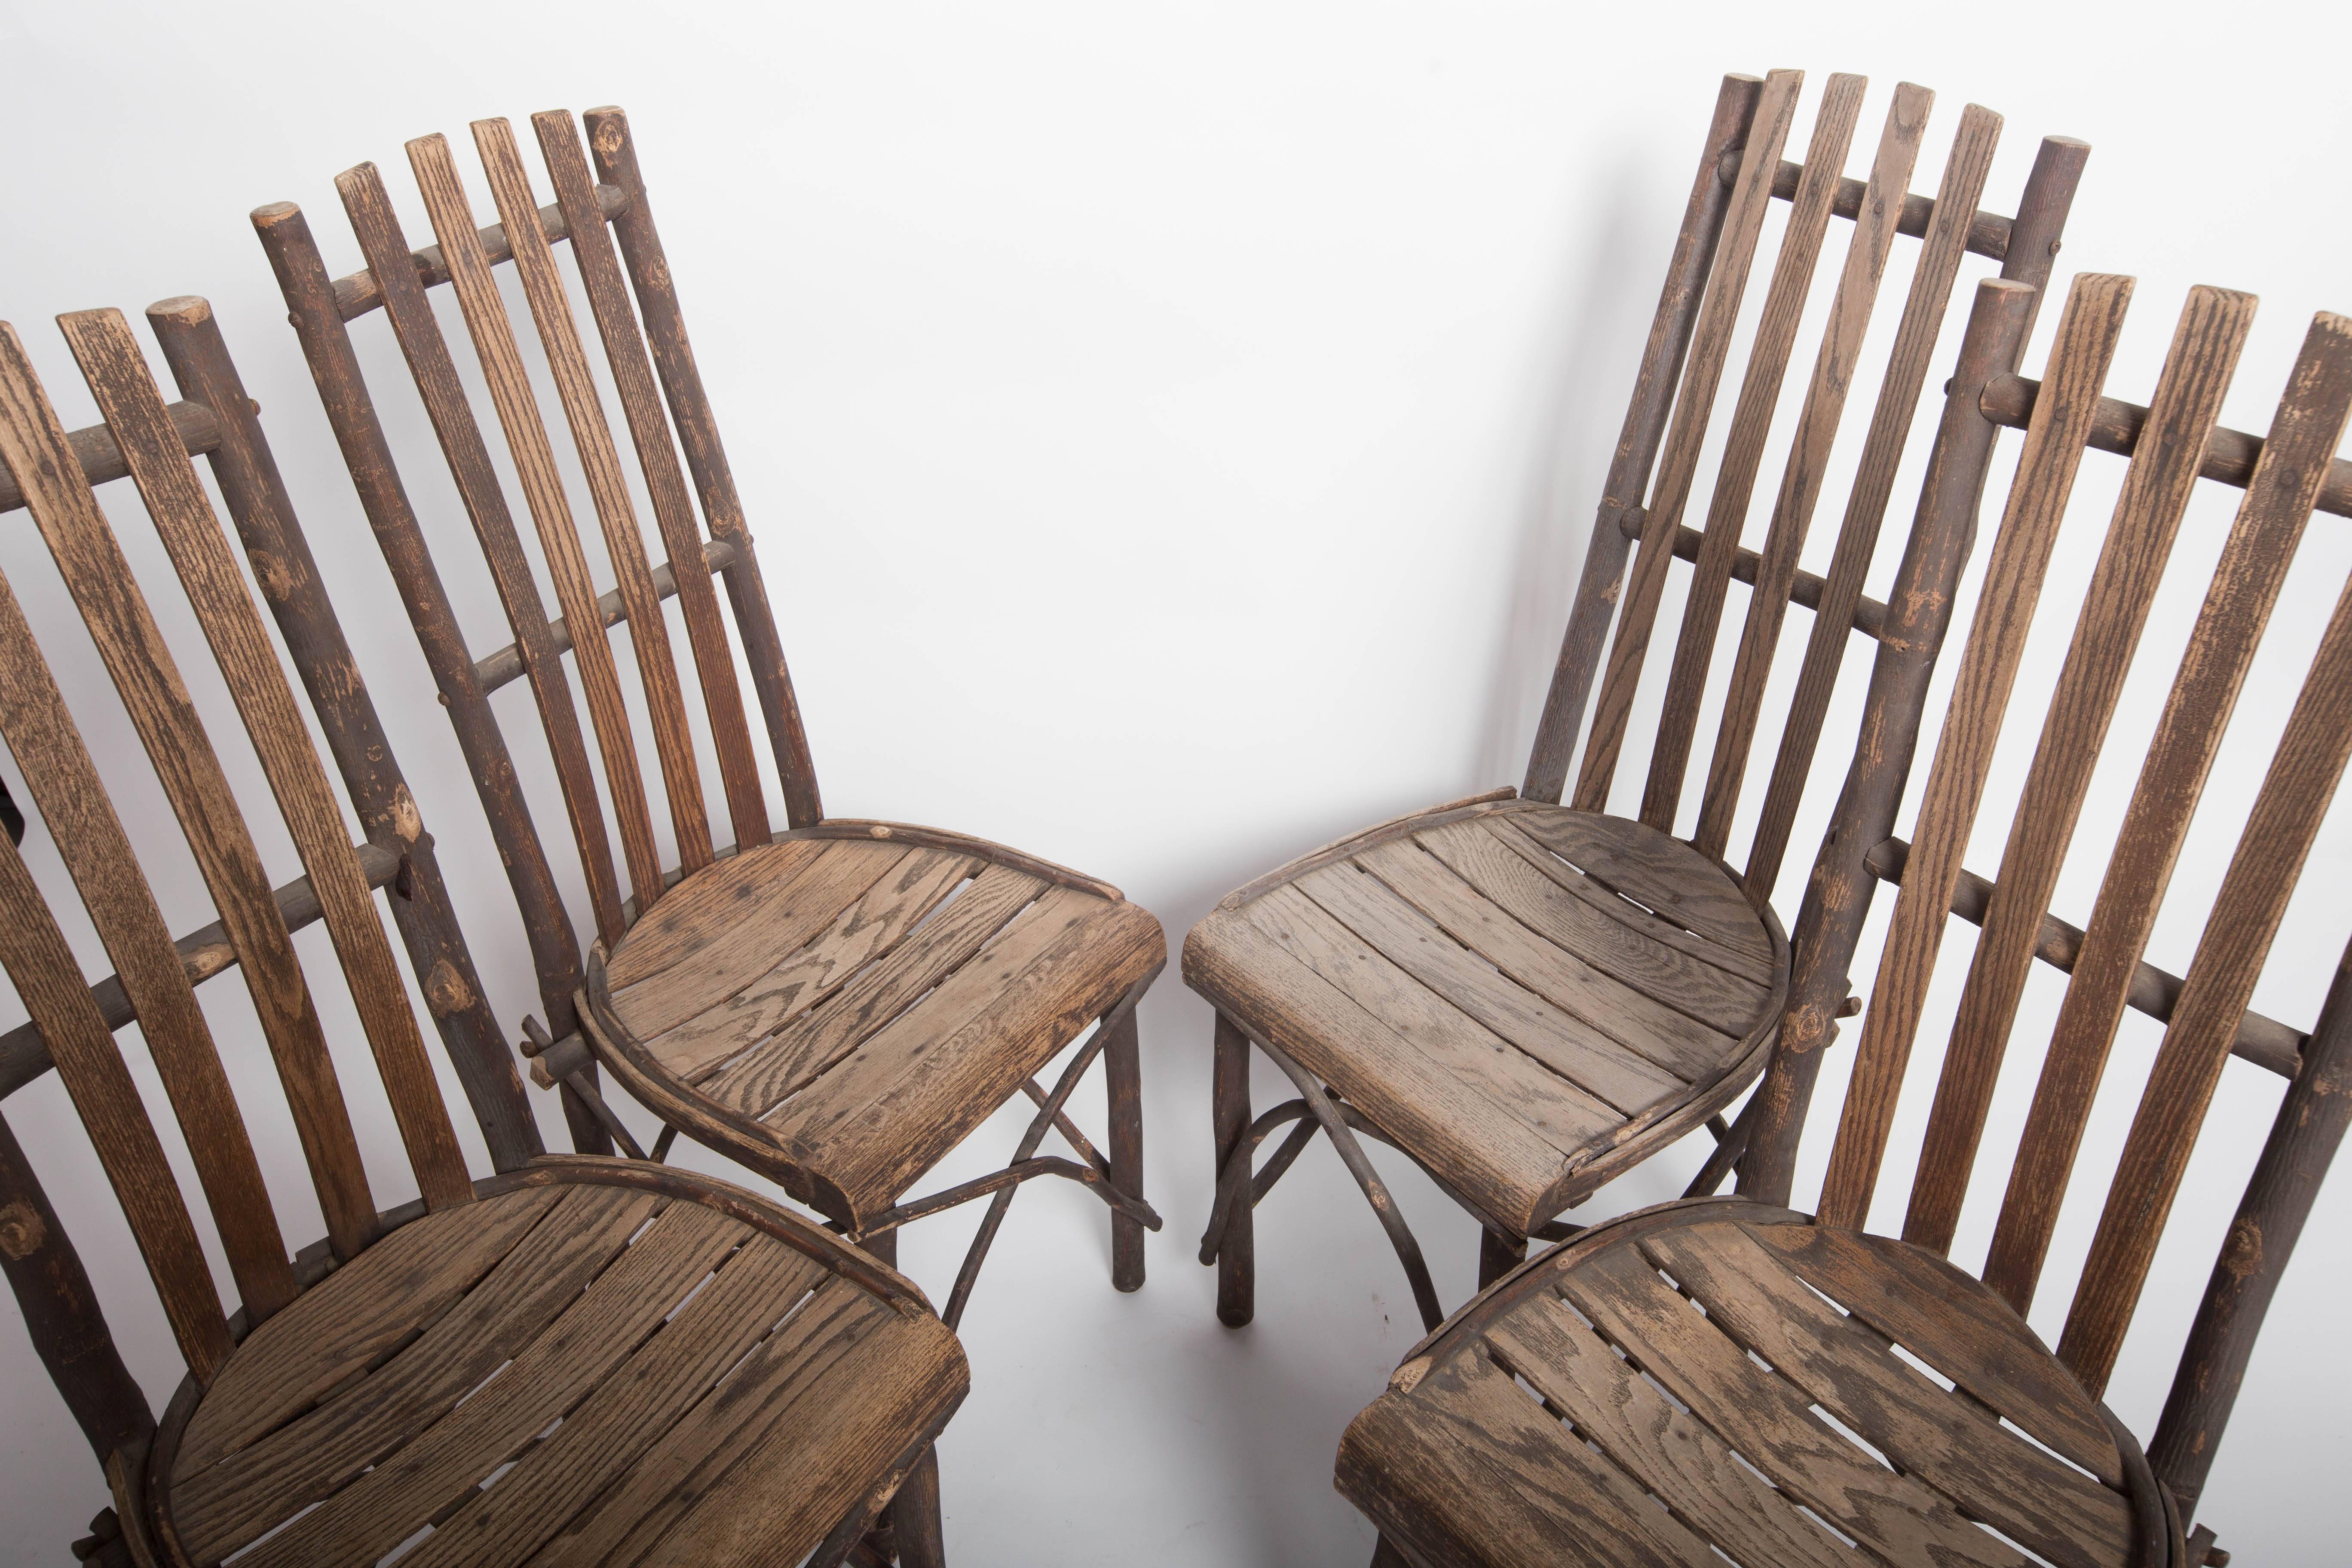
x,y
1775,107
62,1315
65,785
1801,485
1743,449
551,512
133,409
633,379
2295,796
698,433
2195,377
2295,462
421,343
289,579
608,487
1838,895
310,294
1603,574
50,985
2305,1136
1995,642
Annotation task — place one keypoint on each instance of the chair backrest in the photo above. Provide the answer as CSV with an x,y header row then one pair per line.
x,y
155,976
1683,368
2172,442
640,347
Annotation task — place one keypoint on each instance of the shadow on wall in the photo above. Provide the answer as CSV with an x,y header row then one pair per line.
x,y
1579,414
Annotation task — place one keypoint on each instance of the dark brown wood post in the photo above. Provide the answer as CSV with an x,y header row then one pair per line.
x,y
2303,1141
1230,1119
1123,1083
288,576
327,345
1919,611
1603,577
61,1311
1498,1254
697,432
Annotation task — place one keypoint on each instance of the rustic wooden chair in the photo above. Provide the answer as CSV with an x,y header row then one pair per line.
x,y
1526,998
836,1005
575,1359
1644,1355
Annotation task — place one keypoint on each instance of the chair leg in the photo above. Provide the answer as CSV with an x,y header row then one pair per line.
x,y
915,1517
1230,1118
1123,1078
884,1538
1498,1254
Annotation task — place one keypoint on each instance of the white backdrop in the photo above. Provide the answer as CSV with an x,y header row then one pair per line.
x,y
1171,435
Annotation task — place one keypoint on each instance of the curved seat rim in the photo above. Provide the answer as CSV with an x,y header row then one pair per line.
x,y
145,1496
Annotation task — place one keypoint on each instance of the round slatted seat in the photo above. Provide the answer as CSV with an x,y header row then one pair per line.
x,y
1758,1376
839,1010
1526,998
593,1362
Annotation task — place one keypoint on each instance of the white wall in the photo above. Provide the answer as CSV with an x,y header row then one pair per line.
x,y
1171,435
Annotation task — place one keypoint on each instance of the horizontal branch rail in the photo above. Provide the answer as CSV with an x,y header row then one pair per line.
x,y
102,458
1987,232
497,669
24,1055
358,294
1869,615
2264,1041
2229,455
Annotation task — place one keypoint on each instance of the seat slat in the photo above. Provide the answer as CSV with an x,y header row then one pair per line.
x,y
677,1470
1694,405
427,353
485,312
633,379
913,1090
65,784
1647,866
1682,1046
1743,450
184,519
1722,1002
1769,1422
859,935
2295,795
1867,251
608,489
846,1391
394,1289
810,1044
755,938
1925,1432
2204,353
1643,924
672,932
1995,643
626,1414
1955,1324
567,1359
219,1507
1528,1450
1663,1447
1491,1157
1358,937
2294,463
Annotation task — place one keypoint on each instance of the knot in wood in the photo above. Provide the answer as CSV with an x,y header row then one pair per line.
x,y
445,990
21,1231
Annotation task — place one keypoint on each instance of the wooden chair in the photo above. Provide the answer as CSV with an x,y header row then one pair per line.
x,y
1526,998
575,1359
835,1005
1531,1428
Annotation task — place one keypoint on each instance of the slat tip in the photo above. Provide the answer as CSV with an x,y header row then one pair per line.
x,y
182,310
